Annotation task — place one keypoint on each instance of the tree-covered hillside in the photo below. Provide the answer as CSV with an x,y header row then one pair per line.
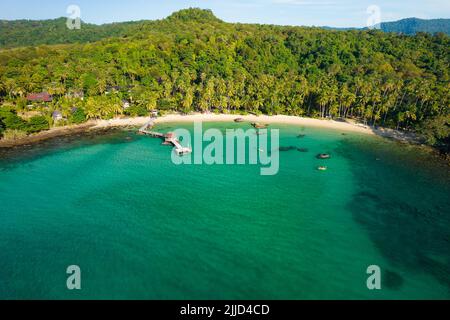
x,y
194,62
21,33
412,26
30,33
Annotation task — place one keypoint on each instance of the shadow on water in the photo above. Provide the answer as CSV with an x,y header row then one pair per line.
x,y
402,203
392,280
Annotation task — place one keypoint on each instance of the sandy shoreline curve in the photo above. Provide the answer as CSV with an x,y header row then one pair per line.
x,y
348,126
280,119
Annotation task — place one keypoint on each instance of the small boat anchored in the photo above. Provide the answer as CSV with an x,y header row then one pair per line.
x,y
260,125
323,156
322,168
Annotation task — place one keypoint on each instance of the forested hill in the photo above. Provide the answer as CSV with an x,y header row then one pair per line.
x,y
19,33
414,25
31,33
192,61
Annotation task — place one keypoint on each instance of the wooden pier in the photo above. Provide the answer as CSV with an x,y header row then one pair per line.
x,y
169,138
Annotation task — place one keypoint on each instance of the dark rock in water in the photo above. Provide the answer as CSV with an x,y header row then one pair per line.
x,y
287,148
301,136
391,280
291,148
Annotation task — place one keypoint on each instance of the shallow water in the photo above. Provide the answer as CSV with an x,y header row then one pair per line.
x,y
141,227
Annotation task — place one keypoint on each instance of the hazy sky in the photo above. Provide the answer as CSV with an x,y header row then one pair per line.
x,y
336,13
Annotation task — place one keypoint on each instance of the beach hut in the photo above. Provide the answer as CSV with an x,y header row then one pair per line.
x,y
57,116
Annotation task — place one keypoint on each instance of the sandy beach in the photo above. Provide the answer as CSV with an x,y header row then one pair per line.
x,y
348,126
198,117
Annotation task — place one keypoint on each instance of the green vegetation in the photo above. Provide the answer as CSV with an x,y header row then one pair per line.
x,y
13,134
31,33
37,123
437,132
136,111
192,61
78,116
2,127
20,33
9,120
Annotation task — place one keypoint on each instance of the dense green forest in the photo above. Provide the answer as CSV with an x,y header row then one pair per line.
x,y
19,33
192,61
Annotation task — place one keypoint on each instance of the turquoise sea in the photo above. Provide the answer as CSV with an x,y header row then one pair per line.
x,y
141,227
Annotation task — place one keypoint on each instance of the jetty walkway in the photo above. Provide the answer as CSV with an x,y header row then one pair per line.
x,y
169,138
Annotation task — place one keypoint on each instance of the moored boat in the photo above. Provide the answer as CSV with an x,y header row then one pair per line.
x,y
323,156
260,125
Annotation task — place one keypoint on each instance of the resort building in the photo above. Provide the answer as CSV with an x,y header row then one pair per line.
x,y
40,97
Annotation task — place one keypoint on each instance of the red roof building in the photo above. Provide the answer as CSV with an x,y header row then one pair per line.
x,y
40,97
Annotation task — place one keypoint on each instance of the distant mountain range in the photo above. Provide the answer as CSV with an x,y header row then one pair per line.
x,y
409,26
18,33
